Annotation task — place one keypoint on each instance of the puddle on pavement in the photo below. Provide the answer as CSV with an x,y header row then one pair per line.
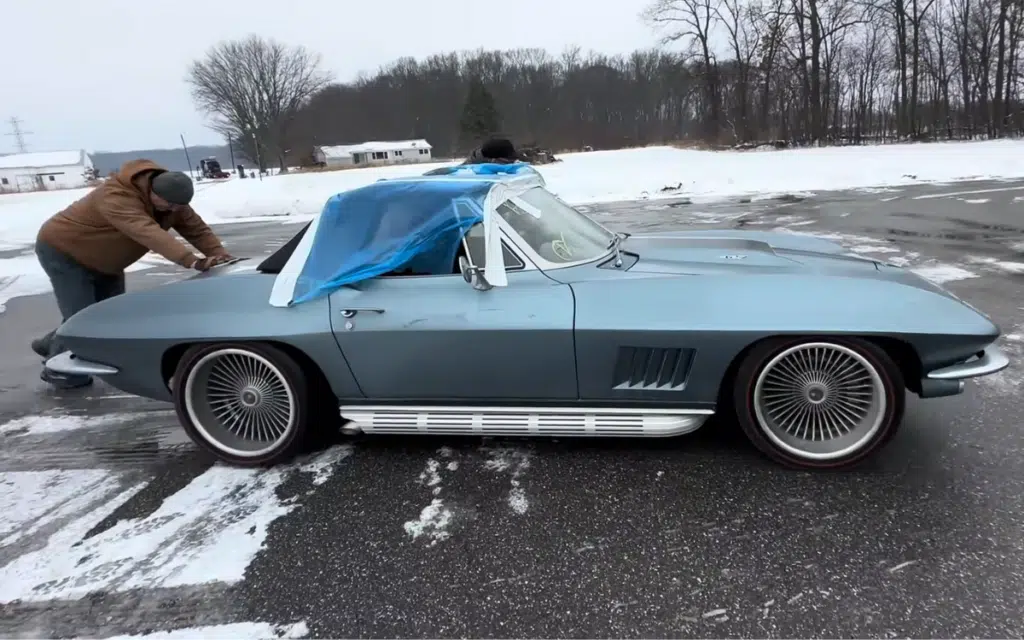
x,y
964,235
142,440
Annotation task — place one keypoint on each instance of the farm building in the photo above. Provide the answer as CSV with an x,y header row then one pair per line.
x,y
372,153
44,171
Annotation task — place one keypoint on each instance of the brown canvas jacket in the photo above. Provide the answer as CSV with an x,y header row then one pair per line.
x,y
115,224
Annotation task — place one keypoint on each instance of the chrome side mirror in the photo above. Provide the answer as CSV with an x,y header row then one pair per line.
x,y
473,275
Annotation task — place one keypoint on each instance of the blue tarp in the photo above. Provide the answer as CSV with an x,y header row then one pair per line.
x,y
485,169
389,225
488,169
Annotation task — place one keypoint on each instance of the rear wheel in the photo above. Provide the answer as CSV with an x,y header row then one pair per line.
x,y
824,403
247,404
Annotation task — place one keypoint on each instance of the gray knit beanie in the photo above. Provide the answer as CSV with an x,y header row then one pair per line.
x,y
174,187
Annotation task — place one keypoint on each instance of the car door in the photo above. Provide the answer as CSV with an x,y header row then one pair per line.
x,y
436,338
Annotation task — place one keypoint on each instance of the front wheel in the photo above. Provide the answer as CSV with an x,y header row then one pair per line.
x,y
247,404
824,403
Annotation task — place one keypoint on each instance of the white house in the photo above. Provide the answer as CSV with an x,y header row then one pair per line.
x,y
373,153
45,170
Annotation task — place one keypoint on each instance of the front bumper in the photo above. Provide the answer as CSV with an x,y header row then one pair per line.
x,y
991,360
67,363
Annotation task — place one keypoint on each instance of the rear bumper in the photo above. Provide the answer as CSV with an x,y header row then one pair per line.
x,y
991,360
67,363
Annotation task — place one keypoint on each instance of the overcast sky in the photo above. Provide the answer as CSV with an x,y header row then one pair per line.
x,y
108,75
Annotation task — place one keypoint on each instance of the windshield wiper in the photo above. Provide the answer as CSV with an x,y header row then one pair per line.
x,y
614,244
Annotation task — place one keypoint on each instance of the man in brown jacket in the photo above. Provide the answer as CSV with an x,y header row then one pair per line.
x,y
86,248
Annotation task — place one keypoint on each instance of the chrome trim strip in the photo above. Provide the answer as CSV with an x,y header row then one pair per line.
x,y
67,363
522,421
495,409
992,360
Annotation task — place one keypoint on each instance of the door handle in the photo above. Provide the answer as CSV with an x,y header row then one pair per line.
x,y
351,311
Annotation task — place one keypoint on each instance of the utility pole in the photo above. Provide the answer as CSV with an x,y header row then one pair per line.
x,y
19,135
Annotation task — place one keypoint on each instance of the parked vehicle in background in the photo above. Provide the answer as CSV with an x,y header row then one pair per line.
x,y
209,169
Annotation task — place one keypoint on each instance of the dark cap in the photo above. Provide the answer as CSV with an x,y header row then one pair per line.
x,y
174,187
496,148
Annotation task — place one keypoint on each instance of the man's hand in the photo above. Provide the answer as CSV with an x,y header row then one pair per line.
x,y
204,264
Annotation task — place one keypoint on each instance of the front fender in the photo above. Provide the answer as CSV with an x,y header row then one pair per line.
x,y
132,332
709,320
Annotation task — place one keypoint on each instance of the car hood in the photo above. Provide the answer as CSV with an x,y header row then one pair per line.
x,y
244,267
737,252
699,252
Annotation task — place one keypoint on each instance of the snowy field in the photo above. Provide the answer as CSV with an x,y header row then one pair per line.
x,y
581,178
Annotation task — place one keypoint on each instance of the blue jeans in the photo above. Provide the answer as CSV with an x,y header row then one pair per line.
x,y
76,287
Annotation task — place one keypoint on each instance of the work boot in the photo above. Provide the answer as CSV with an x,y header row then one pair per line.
x,y
64,381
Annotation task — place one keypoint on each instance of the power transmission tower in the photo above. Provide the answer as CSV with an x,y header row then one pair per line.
x,y
19,135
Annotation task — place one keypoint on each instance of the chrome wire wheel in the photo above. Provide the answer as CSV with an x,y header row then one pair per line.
x,y
820,400
240,402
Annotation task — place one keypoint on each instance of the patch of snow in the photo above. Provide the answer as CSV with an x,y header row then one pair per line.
x,y
433,522
322,466
905,260
971,192
503,460
434,518
23,276
877,190
34,501
943,273
35,425
977,201
869,248
1001,265
234,631
781,195
209,531
857,244
699,217
430,476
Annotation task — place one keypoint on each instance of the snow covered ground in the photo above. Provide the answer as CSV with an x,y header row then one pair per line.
x,y
581,178
600,176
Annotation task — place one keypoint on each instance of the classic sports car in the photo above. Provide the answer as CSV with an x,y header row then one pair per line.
x,y
478,303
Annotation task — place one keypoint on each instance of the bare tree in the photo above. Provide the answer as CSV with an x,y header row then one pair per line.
x,y
252,89
747,73
692,23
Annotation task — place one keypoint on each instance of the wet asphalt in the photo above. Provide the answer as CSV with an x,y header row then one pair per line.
x,y
691,537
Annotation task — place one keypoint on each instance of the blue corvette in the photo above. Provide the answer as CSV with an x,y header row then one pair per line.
x,y
478,303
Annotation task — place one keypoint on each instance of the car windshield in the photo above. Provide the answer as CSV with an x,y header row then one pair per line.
x,y
553,229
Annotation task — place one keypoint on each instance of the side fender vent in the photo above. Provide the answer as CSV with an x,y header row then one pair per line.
x,y
652,369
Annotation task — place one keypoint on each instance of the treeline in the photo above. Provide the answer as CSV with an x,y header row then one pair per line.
x,y
738,71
